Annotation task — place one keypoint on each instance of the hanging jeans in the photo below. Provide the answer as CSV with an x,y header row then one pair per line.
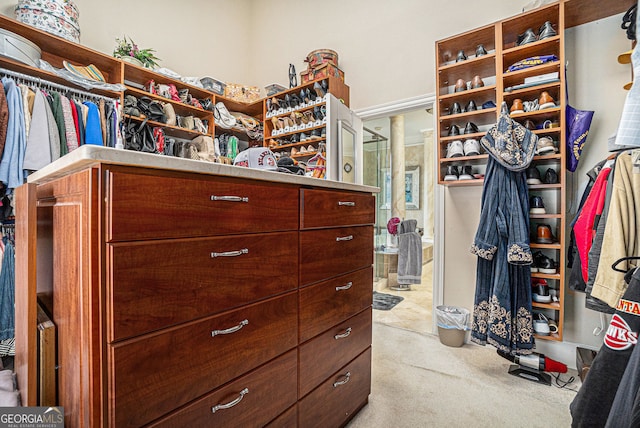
x,y
7,293
502,309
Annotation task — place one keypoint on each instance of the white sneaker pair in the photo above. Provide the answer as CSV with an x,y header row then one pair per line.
x,y
455,149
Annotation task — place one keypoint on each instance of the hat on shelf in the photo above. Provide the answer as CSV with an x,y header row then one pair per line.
x,y
509,143
90,72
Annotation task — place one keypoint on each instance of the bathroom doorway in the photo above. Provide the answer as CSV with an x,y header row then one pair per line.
x,y
414,312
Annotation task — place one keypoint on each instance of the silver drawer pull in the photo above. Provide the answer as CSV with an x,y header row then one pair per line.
x,y
230,253
230,329
344,238
346,333
347,286
346,204
231,403
342,382
230,198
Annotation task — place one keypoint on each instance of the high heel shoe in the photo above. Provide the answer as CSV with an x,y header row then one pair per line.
x,y
319,90
303,96
295,101
269,106
287,101
307,117
276,124
311,93
276,104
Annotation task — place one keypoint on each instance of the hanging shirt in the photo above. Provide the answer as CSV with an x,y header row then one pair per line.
x,y
54,136
80,123
27,107
4,118
38,151
11,172
93,132
56,108
69,126
74,115
103,119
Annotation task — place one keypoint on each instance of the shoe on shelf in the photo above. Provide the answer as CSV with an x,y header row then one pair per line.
x,y
461,56
546,31
529,125
544,264
544,235
550,177
461,85
517,107
545,146
480,50
546,101
541,324
476,82
466,173
527,37
555,295
537,205
540,290
455,149
471,106
471,147
452,173
531,106
455,108
488,104
470,128
454,130
533,175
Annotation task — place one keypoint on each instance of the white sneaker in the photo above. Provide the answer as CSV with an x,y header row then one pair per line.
x,y
471,147
455,149
545,145
541,324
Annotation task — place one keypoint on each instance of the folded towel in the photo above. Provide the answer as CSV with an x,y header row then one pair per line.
x,y
409,253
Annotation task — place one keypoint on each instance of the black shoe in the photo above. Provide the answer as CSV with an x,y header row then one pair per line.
x,y
471,106
461,56
533,175
480,50
544,264
550,177
488,104
536,206
527,37
471,128
546,31
455,108
466,173
295,100
454,130
452,173
295,138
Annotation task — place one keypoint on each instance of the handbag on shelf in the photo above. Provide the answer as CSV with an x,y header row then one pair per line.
x,y
139,137
152,109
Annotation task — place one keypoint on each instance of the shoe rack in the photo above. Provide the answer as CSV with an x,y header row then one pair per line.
x,y
500,41
300,131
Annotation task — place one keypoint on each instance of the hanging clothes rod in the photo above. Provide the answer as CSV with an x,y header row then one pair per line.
x,y
53,85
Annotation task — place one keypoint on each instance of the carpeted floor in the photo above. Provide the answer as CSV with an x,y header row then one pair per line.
x,y
418,382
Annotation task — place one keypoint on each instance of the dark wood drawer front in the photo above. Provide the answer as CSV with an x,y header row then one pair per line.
x,y
325,304
333,349
155,207
288,419
156,284
152,376
334,402
326,208
331,252
252,400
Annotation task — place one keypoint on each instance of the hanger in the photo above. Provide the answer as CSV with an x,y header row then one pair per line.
x,y
614,266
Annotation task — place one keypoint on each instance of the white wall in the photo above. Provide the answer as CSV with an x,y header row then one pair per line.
x,y
386,48
192,37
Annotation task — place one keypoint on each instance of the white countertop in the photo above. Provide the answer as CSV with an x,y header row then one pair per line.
x,y
88,155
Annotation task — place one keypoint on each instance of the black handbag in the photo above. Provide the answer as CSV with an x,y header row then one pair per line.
x,y
139,137
152,109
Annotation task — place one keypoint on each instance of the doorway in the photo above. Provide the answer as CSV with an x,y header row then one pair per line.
x,y
414,312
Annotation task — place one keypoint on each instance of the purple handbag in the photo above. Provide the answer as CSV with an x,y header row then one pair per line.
x,y
577,129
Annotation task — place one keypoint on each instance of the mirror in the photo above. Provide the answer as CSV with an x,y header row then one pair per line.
x,y
347,153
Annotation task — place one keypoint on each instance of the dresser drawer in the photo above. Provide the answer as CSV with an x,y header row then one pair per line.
x,y
331,350
154,207
331,252
326,208
155,284
288,419
155,374
325,304
337,399
250,401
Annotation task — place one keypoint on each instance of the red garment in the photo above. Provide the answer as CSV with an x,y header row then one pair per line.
x,y
583,228
74,113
